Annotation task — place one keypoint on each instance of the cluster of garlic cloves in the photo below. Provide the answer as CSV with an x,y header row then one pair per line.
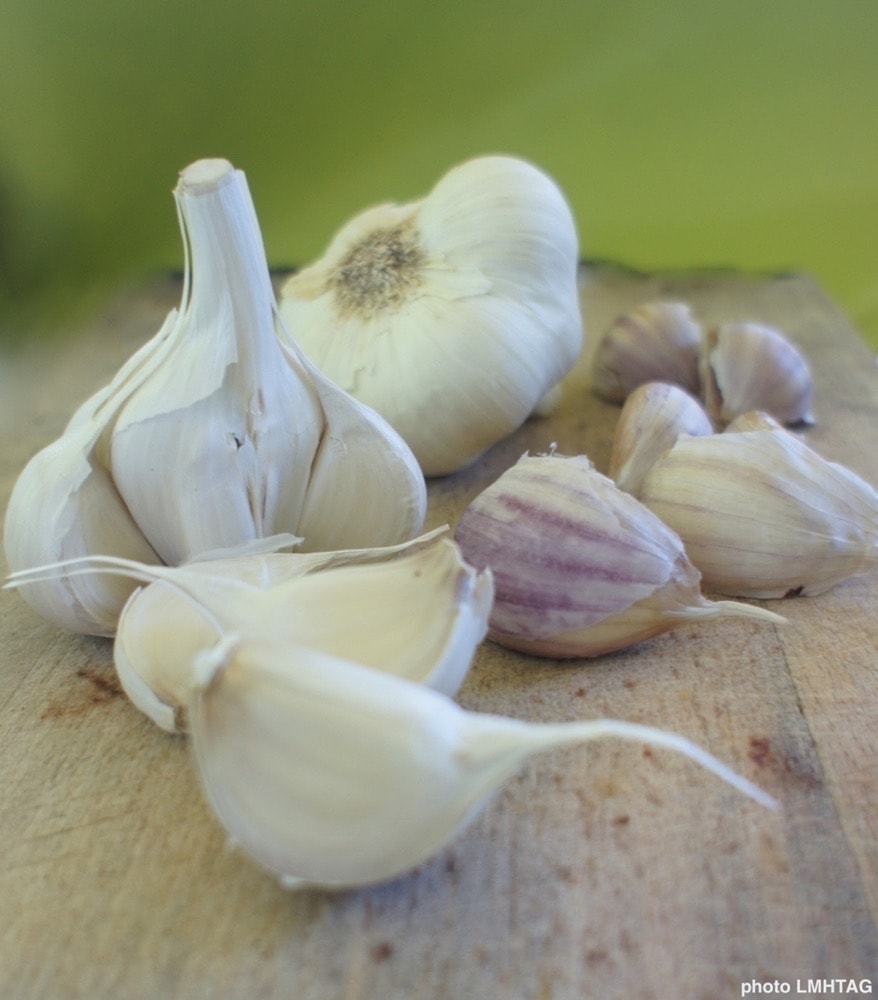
x,y
216,432
453,316
732,368
580,567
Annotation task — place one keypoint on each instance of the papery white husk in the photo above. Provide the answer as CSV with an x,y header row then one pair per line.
x,y
580,567
487,320
330,774
763,515
215,432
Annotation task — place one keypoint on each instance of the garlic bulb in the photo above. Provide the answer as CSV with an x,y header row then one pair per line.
x,y
653,416
751,366
763,515
654,342
415,610
215,432
580,567
452,316
330,774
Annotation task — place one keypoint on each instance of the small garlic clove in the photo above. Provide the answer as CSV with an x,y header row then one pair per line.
x,y
654,342
752,366
753,420
580,567
215,432
763,515
652,418
415,610
453,316
330,774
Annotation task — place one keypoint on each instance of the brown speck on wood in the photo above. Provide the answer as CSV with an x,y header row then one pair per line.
x,y
760,750
382,951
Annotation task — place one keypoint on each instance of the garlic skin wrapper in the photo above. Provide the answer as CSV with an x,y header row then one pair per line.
x,y
452,316
215,432
653,416
751,366
763,515
654,342
580,567
333,775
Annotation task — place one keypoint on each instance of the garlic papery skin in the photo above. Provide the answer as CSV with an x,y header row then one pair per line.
x,y
415,610
654,342
653,416
218,431
580,567
452,316
333,775
762,515
752,366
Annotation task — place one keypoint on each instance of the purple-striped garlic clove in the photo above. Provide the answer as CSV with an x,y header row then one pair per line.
x,y
654,342
580,567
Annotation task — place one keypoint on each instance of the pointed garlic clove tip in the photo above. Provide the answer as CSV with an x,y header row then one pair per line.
x,y
580,567
653,416
654,342
753,366
328,774
763,515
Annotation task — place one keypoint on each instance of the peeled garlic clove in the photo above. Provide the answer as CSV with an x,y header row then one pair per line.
x,y
751,366
653,416
415,610
452,316
655,342
330,774
580,567
215,433
763,515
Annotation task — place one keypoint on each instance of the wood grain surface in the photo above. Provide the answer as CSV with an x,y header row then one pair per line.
x,y
608,871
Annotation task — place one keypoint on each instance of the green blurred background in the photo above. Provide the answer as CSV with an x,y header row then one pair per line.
x,y
739,133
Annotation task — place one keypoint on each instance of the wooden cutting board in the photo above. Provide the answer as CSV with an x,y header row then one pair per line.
x,y
606,871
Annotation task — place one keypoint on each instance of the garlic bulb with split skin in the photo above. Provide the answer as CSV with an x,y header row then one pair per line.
x,y
216,432
453,316
416,610
580,567
330,774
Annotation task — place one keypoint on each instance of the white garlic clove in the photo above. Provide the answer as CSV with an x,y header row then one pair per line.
x,y
330,774
753,420
452,316
415,610
752,366
654,342
653,416
580,567
763,515
215,433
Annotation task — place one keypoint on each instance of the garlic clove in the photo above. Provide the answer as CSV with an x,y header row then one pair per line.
x,y
415,610
763,515
753,420
329,774
580,567
452,316
214,433
654,342
652,418
752,366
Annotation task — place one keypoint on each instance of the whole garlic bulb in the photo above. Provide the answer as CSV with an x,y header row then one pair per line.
x,y
763,515
653,416
216,431
654,342
580,567
452,316
752,366
330,774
